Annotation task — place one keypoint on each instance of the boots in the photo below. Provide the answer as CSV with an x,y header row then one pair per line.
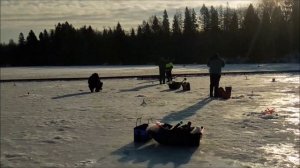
x,y
211,91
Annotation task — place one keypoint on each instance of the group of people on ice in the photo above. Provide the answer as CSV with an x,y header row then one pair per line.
x,y
165,70
215,64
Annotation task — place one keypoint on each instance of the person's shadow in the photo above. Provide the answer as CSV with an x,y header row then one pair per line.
x,y
155,154
138,88
187,112
70,95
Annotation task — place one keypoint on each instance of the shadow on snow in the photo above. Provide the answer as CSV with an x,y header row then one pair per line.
x,y
155,154
187,112
138,88
70,95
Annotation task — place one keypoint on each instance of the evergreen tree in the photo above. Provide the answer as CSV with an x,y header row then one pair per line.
x,y
118,46
187,22
250,33
287,7
227,19
214,19
277,20
104,32
165,23
194,21
205,18
139,31
251,21
220,11
279,32
31,49
146,29
119,32
11,43
21,39
155,26
176,27
132,33
44,36
265,36
294,24
110,32
233,23
266,20
31,38
267,5
44,47
190,22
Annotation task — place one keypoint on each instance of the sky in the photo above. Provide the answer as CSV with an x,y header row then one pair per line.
x,y
25,15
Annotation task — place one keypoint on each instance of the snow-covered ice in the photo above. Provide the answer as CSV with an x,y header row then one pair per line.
x,y
105,71
61,124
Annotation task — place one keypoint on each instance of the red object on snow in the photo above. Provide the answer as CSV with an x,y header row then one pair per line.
x,y
269,111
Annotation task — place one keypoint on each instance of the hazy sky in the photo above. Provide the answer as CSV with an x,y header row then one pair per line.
x,y
24,15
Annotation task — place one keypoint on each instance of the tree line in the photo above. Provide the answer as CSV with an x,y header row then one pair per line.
x,y
267,33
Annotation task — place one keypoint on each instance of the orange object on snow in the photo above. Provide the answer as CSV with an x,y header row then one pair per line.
x,y
268,111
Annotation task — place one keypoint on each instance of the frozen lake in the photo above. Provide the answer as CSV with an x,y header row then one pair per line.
x,y
105,71
60,124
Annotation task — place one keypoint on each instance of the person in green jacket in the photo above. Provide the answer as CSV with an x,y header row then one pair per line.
x,y
169,67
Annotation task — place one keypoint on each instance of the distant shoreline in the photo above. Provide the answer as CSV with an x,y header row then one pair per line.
x,y
141,77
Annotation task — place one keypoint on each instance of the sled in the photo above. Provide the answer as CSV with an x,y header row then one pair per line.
x,y
164,134
176,85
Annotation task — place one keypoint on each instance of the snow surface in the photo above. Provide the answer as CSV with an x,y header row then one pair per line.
x,y
61,124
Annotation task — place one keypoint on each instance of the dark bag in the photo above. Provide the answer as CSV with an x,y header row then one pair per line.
x,y
228,91
224,94
186,86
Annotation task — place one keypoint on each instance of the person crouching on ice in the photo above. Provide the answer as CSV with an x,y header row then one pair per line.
x,y
95,83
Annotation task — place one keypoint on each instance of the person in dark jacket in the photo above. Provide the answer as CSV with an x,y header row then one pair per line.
x,y
162,71
215,65
95,83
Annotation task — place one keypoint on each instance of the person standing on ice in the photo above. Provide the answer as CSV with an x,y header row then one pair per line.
x,y
215,65
169,67
162,71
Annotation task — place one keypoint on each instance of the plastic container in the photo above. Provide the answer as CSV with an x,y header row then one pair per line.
x,y
140,132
